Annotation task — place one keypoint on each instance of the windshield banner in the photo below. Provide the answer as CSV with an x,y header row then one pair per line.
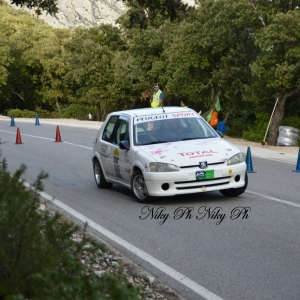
x,y
142,119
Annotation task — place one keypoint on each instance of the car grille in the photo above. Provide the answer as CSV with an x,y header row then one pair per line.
x,y
196,184
197,166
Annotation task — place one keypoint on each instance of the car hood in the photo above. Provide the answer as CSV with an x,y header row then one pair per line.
x,y
190,152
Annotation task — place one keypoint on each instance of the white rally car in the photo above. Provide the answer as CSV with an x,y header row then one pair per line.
x,y
164,152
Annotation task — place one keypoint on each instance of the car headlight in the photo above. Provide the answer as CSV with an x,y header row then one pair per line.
x,y
160,167
236,159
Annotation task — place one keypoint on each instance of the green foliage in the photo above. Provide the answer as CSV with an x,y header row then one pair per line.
x,y
249,52
236,129
43,113
291,121
17,113
28,114
38,257
257,132
39,5
21,113
76,111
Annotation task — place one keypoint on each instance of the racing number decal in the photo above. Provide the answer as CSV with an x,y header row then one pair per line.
x,y
116,163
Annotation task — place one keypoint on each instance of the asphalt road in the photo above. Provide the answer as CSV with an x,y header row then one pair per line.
x,y
249,250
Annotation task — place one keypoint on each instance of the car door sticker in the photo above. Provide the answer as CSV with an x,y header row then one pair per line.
x,y
116,163
104,151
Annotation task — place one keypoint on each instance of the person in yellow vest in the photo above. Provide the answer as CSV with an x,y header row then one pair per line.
x,y
158,96
183,104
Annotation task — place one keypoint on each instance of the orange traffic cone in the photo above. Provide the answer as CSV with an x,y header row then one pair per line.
x,y
18,138
57,138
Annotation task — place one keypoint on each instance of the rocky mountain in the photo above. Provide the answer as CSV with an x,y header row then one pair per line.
x,y
86,13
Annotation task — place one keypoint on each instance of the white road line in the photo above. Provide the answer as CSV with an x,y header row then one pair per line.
x,y
194,286
43,138
90,148
274,199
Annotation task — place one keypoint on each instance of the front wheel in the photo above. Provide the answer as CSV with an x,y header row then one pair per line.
x,y
99,176
235,192
139,187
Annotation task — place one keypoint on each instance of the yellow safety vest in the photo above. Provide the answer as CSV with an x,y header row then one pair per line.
x,y
156,98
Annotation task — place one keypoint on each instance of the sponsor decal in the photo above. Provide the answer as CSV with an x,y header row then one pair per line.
x,y
143,119
103,148
138,120
204,175
127,170
210,152
117,166
116,153
157,152
119,175
184,115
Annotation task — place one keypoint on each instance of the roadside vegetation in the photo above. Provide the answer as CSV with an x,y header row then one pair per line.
x,y
244,52
40,259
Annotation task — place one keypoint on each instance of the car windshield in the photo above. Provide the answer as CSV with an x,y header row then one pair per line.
x,y
167,128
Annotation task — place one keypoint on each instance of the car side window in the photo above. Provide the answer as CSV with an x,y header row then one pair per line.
x,y
121,132
109,128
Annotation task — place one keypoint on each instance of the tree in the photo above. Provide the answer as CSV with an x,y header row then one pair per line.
x,y
5,60
90,73
47,54
19,28
277,67
211,53
49,6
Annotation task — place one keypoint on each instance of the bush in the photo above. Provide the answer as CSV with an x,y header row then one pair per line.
x,y
21,113
76,111
291,121
235,129
18,113
43,113
257,132
38,257
28,114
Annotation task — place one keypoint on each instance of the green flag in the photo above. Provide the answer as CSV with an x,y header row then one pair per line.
x,y
218,105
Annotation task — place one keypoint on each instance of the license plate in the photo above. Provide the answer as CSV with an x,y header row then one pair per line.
x,y
204,175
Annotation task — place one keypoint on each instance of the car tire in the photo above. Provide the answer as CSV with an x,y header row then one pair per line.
x,y
235,192
139,187
288,129
99,176
284,141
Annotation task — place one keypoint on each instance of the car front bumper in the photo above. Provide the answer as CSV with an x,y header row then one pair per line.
x,y
184,182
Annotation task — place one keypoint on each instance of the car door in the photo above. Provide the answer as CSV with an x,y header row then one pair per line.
x,y
105,145
119,159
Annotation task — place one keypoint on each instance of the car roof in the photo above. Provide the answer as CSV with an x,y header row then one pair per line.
x,y
153,111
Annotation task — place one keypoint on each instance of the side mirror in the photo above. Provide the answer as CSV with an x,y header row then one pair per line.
x,y
124,145
219,133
